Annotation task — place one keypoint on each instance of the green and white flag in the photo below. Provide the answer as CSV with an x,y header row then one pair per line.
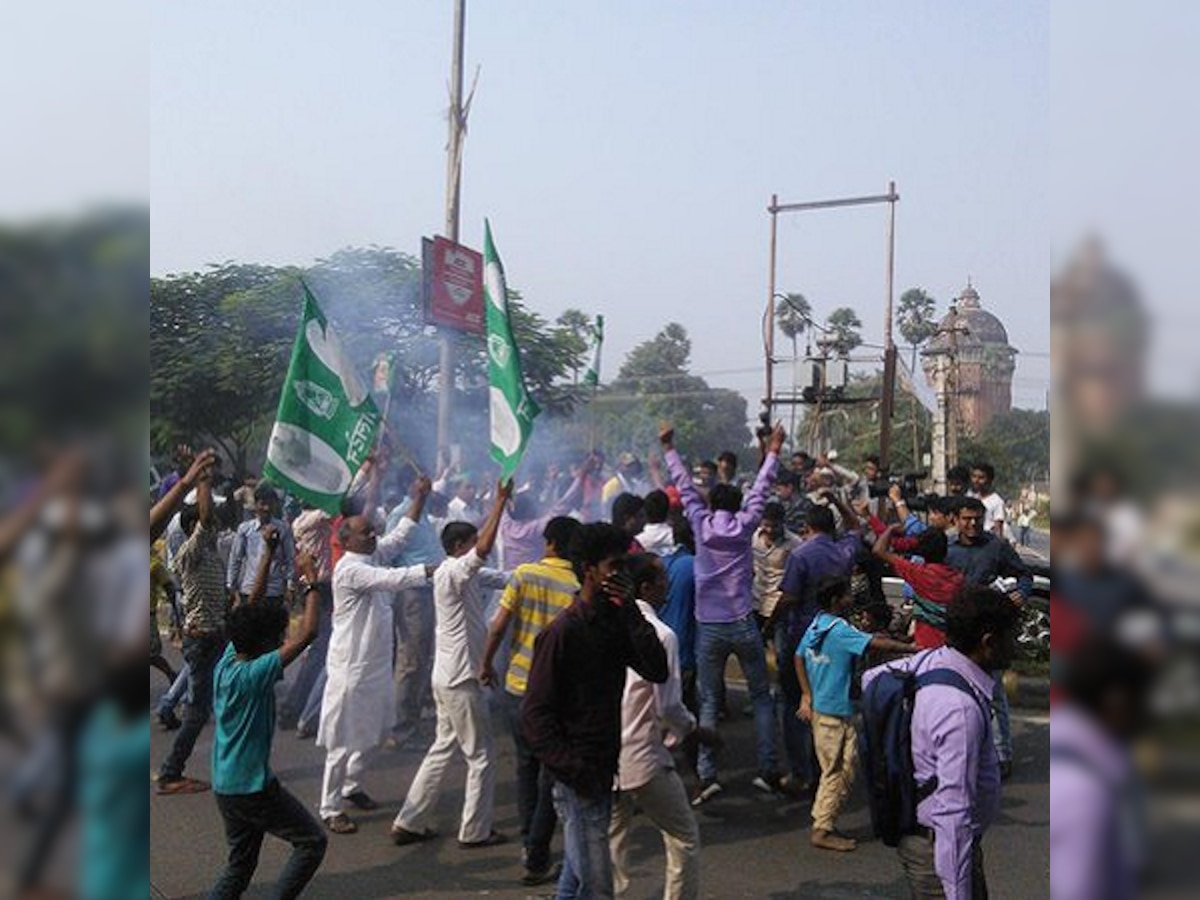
x,y
512,409
326,422
592,375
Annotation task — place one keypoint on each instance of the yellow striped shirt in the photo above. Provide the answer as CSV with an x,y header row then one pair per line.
x,y
535,595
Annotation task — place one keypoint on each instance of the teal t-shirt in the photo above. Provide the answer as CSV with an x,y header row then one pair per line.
x,y
829,648
244,712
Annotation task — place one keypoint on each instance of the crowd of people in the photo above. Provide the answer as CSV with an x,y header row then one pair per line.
x,y
600,639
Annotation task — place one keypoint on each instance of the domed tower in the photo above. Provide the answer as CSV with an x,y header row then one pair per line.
x,y
985,360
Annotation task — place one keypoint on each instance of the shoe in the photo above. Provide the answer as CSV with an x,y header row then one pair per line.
x,y
769,784
828,840
361,800
305,734
548,875
402,836
708,789
494,839
168,721
1006,769
341,824
795,788
171,786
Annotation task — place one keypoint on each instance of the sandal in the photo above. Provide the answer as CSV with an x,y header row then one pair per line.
x,y
168,787
341,824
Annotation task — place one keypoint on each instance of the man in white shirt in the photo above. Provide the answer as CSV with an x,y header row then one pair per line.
x,y
463,720
359,707
994,513
646,777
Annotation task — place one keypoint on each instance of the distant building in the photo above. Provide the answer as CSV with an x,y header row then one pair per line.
x,y
986,362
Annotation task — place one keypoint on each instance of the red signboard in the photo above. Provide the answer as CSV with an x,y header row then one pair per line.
x,y
453,285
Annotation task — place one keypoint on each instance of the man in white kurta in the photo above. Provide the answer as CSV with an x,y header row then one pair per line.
x,y
463,720
358,708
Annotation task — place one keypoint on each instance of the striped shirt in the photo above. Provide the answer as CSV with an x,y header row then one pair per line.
x,y
202,578
536,594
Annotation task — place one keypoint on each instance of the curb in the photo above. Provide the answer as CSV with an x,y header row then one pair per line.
x,y
1027,691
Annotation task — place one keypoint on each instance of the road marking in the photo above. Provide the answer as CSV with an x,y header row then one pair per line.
x,y
1030,718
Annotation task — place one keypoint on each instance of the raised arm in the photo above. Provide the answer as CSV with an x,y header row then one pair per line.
x,y
273,539
393,542
694,506
161,512
756,499
307,633
573,495
487,534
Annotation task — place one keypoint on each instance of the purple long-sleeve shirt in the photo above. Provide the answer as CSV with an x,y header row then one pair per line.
x,y
521,541
1091,785
724,560
950,739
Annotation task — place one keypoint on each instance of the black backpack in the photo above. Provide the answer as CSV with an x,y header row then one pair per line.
x,y
885,747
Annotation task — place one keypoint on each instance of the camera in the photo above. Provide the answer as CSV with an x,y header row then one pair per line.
x,y
909,484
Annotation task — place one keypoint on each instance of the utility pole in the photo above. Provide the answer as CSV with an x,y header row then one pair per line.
x,y
889,356
888,400
446,338
945,383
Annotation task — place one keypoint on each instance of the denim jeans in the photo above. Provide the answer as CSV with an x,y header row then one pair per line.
x,y
297,699
587,863
797,734
1001,726
714,642
202,655
535,793
175,693
248,818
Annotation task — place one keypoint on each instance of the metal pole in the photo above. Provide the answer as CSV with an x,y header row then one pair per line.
x,y
453,194
770,325
888,403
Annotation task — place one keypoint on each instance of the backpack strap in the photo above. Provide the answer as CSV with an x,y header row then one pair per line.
x,y
950,678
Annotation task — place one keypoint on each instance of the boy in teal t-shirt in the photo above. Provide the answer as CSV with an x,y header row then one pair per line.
x,y
825,661
250,798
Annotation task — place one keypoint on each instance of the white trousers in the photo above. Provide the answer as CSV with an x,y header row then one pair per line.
x,y
665,802
343,771
463,722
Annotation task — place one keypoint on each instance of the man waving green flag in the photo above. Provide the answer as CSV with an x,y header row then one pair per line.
x,y
512,409
326,422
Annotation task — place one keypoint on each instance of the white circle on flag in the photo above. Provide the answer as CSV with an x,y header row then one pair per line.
x,y
307,460
506,430
494,279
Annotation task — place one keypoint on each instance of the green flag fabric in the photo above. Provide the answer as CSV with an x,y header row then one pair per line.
x,y
592,375
326,423
512,409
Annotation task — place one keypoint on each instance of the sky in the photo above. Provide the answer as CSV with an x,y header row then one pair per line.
x,y
625,153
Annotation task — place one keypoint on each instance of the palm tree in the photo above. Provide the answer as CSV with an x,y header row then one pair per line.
x,y
793,315
843,324
914,318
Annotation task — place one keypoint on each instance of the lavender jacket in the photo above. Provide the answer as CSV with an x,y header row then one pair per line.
x,y
724,559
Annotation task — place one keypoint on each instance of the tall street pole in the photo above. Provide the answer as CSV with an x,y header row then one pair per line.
x,y
769,336
888,400
453,194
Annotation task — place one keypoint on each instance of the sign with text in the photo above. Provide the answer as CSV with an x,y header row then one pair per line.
x,y
453,285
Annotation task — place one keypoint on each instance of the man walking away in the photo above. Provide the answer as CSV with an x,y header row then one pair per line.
x,y
952,752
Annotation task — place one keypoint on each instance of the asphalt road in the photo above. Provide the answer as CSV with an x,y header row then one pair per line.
x,y
754,846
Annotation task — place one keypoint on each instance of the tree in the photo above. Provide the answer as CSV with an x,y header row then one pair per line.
x,y
915,319
654,384
575,328
792,315
843,323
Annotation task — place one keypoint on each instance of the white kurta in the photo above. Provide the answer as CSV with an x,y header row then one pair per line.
x,y
359,706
